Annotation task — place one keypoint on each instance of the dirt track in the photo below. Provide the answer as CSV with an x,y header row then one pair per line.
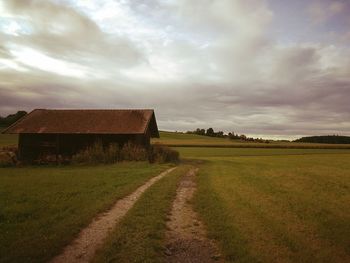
x,y
83,248
186,235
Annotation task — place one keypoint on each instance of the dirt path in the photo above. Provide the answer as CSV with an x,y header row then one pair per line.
x,y
83,248
186,235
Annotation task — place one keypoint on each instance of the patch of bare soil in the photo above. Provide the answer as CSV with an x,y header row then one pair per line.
x,y
84,247
186,235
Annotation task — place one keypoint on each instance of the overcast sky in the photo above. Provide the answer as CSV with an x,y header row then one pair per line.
x,y
274,68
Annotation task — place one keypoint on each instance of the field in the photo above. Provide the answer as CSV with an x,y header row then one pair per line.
x,y
7,139
177,139
140,235
258,204
274,206
43,208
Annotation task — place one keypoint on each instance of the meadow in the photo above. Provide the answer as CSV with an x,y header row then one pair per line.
x,y
43,208
178,139
7,139
272,205
140,236
259,204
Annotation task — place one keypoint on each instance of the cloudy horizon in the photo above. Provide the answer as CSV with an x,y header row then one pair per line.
x,y
272,69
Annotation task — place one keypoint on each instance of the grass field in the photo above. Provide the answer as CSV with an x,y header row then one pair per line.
x,y
140,236
7,139
173,138
223,153
192,140
275,207
260,204
43,208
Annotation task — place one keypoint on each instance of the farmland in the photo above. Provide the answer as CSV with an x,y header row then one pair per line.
x,y
178,139
43,208
140,235
277,208
7,139
275,205
258,204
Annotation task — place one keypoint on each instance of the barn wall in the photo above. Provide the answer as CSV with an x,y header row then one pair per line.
x,y
31,146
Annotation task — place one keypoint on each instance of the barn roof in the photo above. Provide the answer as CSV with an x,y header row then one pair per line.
x,y
133,121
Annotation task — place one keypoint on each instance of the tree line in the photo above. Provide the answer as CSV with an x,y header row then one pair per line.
x,y
333,139
12,118
210,132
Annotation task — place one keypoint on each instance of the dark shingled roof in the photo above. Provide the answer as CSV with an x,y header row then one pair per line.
x,y
87,122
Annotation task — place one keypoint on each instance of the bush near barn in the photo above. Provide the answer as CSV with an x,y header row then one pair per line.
x,y
163,154
8,156
97,153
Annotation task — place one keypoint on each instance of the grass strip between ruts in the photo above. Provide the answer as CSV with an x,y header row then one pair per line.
x,y
140,235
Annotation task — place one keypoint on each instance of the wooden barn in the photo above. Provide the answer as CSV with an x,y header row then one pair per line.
x,y
65,132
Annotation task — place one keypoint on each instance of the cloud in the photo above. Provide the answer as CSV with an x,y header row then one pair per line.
x,y
321,11
198,63
64,33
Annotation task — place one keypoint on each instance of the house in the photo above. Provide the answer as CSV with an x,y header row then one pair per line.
x,y
66,132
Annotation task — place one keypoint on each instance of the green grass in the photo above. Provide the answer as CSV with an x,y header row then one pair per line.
x,y
261,205
43,208
7,139
183,138
140,235
283,208
177,139
222,153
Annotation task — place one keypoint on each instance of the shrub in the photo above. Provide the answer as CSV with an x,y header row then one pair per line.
x,y
163,154
133,152
111,154
92,155
129,152
7,158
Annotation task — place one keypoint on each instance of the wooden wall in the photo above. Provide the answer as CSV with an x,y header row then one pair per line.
x,y
31,146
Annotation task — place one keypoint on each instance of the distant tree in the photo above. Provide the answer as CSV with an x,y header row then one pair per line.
x,y
233,136
220,134
12,118
334,139
243,137
210,132
200,131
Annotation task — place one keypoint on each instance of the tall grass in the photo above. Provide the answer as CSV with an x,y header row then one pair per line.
x,y
133,152
97,153
163,154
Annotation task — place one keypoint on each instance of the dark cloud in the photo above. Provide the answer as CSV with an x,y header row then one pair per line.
x,y
198,63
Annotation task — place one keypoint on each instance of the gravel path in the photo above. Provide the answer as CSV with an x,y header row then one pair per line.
x,y
83,248
186,234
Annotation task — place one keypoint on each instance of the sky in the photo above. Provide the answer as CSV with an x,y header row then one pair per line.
x,y
266,68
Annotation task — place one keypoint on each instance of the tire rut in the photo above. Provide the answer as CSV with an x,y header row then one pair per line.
x,y
186,237
91,238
